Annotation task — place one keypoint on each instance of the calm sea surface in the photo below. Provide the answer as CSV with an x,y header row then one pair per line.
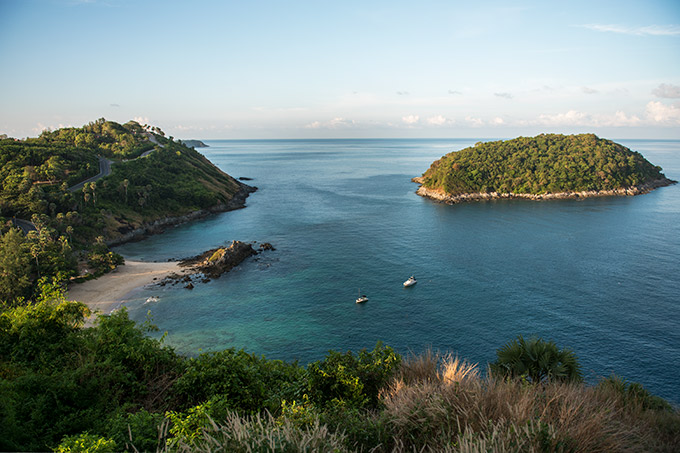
x,y
601,276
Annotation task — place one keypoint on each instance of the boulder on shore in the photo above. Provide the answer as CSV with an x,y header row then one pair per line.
x,y
216,262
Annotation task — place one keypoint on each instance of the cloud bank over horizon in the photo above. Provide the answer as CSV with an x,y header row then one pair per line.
x,y
231,70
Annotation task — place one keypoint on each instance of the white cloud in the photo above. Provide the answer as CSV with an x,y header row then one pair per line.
x,y
201,128
621,119
403,93
335,123
654,113
570,118
498,121
410,119
650,30
475,122
667,91
439,120
503,95
141,119
662,113
454,92
588,90
40,127
262,109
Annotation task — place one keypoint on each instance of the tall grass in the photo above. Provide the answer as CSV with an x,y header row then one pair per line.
x,y
260,433
441,403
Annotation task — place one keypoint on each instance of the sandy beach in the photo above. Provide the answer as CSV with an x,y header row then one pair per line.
x,y
108,292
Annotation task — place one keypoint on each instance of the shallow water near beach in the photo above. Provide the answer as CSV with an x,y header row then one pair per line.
x,y
600,275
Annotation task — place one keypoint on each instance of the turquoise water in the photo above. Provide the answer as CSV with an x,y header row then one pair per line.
x,y
601,276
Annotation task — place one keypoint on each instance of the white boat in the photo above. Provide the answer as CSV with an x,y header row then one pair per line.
x,y
410,282
362,298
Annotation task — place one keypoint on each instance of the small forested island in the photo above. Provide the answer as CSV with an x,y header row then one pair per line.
x,y
542,167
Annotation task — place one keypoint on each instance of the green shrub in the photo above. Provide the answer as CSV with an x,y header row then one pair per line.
x,y
363,429
246,382
355,381
300,414
186,427
86,443
537,361
136,431
58,379
633,393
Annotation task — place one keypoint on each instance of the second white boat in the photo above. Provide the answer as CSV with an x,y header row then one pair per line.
x,y
410,282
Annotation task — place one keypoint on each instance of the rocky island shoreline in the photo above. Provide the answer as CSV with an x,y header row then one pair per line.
x,y
443,197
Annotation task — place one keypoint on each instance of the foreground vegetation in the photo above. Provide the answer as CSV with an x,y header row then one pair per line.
x,y
112,388
547,163
152,178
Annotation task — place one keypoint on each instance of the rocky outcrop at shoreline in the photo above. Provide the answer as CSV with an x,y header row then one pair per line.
x,y
158,226
193,143
213,263
443,197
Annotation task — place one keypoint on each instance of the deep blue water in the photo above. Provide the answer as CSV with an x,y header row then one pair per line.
x,y
601,276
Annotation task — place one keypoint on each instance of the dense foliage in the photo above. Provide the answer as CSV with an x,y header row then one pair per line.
x,y
39,177
110,387
547,163
59,380
152,177
37,172
24,259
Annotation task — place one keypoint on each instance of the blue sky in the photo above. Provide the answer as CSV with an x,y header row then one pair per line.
x,y
308,69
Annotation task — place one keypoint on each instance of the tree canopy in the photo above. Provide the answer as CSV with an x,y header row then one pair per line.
x,y
547,163
152,177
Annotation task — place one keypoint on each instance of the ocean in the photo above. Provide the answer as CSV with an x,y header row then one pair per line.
x,y
600,275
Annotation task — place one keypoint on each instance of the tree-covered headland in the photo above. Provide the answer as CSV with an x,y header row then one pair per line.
x,y
153,177
546,164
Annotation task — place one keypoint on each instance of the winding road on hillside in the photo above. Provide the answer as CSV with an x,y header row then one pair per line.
x,y
104,170
25,225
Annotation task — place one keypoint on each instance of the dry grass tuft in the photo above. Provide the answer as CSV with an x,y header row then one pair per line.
x,y
455,369
433,366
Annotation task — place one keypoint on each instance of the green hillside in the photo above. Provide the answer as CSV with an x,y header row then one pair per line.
x,y
171,180
152,178
547,163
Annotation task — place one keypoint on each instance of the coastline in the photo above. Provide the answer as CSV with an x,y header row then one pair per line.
x,y
108,292
238,201
444,197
